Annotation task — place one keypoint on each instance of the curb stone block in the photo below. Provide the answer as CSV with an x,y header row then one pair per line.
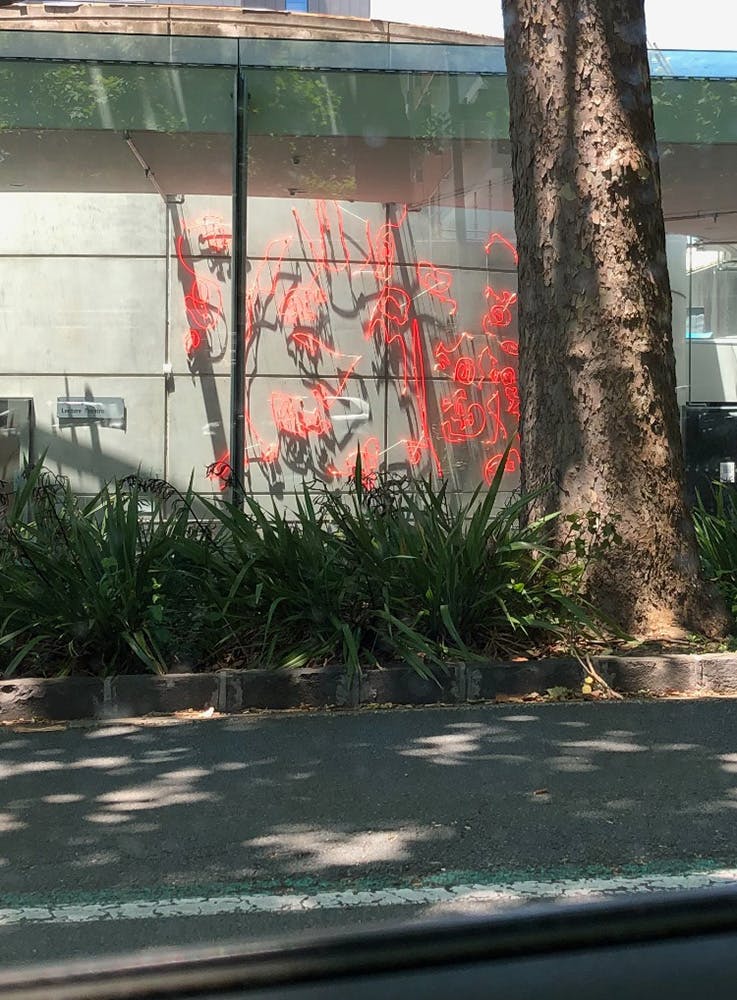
x,y
655,674
230,691
402,686
262,689
321,686
459,685
348,691
311,687
719,673
54,698
516,679
132,694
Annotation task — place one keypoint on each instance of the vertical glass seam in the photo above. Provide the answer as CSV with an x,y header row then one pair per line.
x,y
238,347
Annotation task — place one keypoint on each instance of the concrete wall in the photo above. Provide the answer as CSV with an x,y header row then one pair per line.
x,y
713,345
676,251
101,294
92,304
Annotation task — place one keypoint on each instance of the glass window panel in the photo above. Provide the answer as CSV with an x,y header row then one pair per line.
x,y
115,196
314,54
695,111
88,46
447,58
684,63
697,143
382,274
378,55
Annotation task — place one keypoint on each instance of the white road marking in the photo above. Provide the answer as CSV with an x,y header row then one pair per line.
x,y
502,894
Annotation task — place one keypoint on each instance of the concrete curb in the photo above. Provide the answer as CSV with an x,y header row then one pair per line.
x,y
230,691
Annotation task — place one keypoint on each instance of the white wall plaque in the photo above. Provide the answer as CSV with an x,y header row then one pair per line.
x,y
101,408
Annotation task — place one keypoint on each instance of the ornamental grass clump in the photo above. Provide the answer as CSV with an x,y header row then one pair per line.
x,y
716,533
387,569
89,585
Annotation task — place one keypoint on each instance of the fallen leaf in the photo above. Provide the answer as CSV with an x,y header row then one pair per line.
x,y
195,713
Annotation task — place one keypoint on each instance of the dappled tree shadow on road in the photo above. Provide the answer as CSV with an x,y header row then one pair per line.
x,y
265,800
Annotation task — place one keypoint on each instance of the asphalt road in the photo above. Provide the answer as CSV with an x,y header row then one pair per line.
x,y
332,811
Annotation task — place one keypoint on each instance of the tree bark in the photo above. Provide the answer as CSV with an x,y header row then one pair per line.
x,y
600,425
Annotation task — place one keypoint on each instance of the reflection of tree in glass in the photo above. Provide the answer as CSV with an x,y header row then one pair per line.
x,y
295,97
437,126
704,109
102,97
305,110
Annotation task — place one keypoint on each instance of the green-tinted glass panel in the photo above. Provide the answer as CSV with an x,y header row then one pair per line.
x,y
421,106
89,96
695,111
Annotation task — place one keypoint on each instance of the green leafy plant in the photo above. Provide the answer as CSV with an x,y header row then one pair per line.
x,y
385,569
716,532
89,584
395,569
453,580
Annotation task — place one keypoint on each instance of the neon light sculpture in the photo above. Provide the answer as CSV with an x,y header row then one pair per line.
x,y
290,298
203,304
215,236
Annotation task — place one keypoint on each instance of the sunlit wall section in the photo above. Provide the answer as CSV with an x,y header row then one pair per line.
x,y
115,247
381,291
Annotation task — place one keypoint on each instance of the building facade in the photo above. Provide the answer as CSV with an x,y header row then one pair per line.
x,y
270,243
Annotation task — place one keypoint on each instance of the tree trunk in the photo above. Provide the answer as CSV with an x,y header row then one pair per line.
x,y
600,424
